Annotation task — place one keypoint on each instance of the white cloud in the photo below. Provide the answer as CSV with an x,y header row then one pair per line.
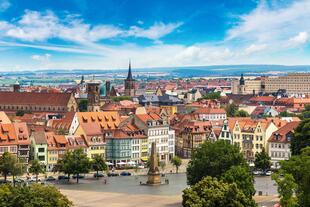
x,y
41,26
272,25
4,5
42,58
155,32
300,39
255,48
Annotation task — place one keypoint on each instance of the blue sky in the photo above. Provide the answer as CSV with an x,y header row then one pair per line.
x,y
102,34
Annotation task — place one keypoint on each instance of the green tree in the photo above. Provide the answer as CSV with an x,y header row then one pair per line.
x,y
32,196
306,113
80,163
83,105
177,162
20,113
299,167
301,138
213,159
286,114
211,95
8,163
262,160
286,189
121,98
231,110
98,164
64,165
18,169
243,179
241,113
210,192
36,168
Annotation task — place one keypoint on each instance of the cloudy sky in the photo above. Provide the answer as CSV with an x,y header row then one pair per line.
x,y
105,34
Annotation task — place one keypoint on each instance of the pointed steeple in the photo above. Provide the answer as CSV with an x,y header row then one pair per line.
x,y
129,76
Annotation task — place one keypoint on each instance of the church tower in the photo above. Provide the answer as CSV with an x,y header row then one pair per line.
x,y
93,96
130,83
241,85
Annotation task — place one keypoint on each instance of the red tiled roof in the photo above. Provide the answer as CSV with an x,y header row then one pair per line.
x,y
205,110
281,132
25,98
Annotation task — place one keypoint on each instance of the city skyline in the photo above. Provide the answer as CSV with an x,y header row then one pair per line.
x,y
106,34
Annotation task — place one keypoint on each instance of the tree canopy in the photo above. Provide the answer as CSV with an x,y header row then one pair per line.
x,y
213,159
299,167
243,179
177,162
211,95
98,164
262,160
242,113
36,168
301,138
74,162
231,110
210,192
8,164
34,195
83,105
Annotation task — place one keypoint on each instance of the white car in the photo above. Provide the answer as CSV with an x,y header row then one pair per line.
x,y
268,173
33,179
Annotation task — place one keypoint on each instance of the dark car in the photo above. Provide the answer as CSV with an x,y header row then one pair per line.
x,y
98,175
125,173
50,178
112,174
80,176
63,177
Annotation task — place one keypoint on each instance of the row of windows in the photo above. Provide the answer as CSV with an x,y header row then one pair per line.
x,y
280,154
35,108
157,132
279,146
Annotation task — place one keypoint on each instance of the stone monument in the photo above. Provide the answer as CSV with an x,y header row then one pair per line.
x,y
153,174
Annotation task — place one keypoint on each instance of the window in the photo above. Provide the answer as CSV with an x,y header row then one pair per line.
x,y
41,150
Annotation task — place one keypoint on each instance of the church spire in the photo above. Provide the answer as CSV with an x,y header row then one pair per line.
x,y
129,76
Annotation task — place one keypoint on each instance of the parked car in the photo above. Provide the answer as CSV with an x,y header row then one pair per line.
x,y
33,179
50,178
80,176
98,175
258,172
4,182
63,177
19,180
125,173
112,174
268,173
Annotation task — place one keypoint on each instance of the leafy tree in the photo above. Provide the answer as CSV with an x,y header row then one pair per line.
x,y
18,169
34,196
213,159
231,109
210,192
286,114
301,138
79,163
299,167
177,162
98,164
8,163
242,113
262,160
36,168
62,131
243,179
83,105
20,113
306,113
286,189
64,164
211,95
121,98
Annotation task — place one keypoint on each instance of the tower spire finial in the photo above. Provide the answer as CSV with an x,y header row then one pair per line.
x,y
129,76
